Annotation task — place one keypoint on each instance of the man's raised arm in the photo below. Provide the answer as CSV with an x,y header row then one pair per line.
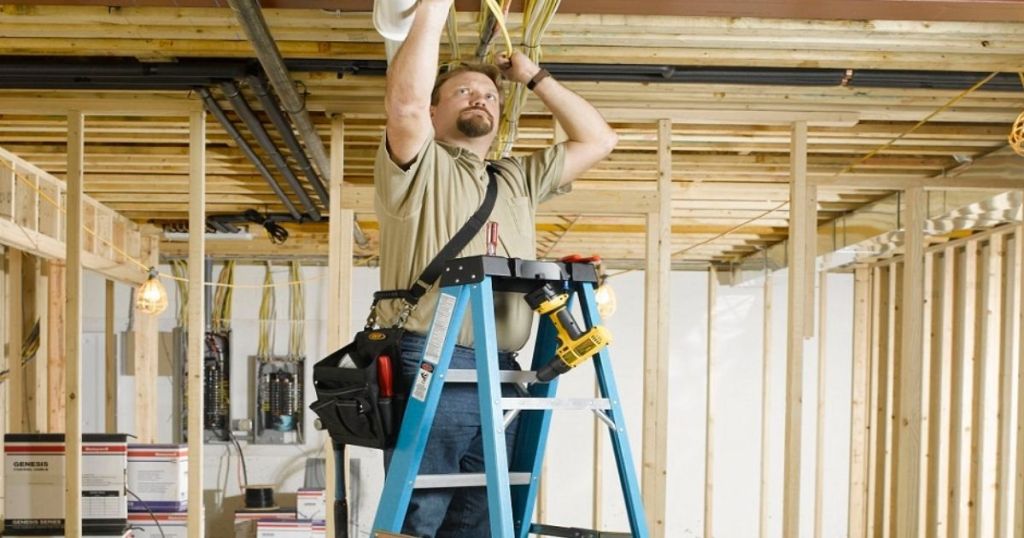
x,y
410,79
590,137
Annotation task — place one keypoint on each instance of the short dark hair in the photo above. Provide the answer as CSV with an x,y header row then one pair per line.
x,y
489,70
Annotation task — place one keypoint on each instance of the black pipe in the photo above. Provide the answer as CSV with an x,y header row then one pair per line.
x,y
273,111
241,106
218,112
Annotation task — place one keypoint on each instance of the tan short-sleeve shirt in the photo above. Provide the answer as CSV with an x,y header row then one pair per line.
x,y
421,208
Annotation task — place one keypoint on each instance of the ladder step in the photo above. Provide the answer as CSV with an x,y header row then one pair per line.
x,y
464,480
572,532
504,376
556,403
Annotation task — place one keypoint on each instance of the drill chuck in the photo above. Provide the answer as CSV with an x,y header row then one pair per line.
x,y
574,345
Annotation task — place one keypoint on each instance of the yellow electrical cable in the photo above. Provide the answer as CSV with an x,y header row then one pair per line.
x,y
296,336
499,19
268,315
452,25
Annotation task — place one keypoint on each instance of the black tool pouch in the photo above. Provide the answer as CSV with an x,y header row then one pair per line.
x,y
348,390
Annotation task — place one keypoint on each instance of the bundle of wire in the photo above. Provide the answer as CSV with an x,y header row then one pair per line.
x,y
537,15
221,314
268,315
297,314
179,269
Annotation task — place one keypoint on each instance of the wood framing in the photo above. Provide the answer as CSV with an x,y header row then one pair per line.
x,y
73,329
1009,390
56,352
819,429
656,351
147,339
39,397
796,320
110,360
709,415
1017,484
961,420
911,373
940,387
766,385
15,337
859,410
196,321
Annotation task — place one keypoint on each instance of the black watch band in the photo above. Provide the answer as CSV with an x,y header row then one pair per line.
x,y
541,75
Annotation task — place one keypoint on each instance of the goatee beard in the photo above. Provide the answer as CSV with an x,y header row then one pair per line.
x,y
474,126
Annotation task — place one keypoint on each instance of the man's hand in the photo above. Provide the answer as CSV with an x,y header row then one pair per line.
x,y
519,68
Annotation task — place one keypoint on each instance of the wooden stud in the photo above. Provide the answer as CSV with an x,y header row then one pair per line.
x,y
73,329
859,377
339,277
656,350
940,386
709,416
965,296
1017,486
766,385
15,337
110,360
986,418
796,318
40,364
56,353
1009,390
882,330
819,431
196,321
893,395
147,339
909,462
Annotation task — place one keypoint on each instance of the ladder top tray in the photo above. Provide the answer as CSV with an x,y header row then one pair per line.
x,y
514,274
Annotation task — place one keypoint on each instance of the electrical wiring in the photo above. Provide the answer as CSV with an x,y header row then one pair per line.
x,y
268,315
151,514
221,315
452,27
537,16
179,268
491,18
297,314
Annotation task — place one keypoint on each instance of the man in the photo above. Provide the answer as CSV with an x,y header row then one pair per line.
x,y
430,177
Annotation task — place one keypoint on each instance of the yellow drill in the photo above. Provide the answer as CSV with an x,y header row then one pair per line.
x,y
574,345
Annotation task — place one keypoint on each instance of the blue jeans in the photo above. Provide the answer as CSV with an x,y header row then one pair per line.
x,y
454,446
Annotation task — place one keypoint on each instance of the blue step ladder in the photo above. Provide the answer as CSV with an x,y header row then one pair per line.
x,y
511,488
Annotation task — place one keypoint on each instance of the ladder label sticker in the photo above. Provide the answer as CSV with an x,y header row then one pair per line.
x,y
442,319
423,377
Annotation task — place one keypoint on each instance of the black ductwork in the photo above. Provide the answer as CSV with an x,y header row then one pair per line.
x,y
285,129
241,106
218,112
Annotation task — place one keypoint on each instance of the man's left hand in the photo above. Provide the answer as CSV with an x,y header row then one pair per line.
x,y
517,68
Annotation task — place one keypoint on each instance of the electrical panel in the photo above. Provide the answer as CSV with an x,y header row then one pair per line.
x,y
216,387
277,398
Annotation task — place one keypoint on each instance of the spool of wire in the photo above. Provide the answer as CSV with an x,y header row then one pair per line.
x,y
259,497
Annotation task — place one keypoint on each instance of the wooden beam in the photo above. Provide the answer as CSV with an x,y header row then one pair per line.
x,y
15,337
656,349
32,242
110,360
731,117
147,339
73,329
940,386
709,416
107,104
56,352
38,394
796,319
766,385
965,296
987,400
910,463
1009,390
859,391
878,387
893,396
819,430
196,321
1017,485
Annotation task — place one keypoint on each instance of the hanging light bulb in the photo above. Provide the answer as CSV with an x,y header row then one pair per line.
x,y
151,297
604,296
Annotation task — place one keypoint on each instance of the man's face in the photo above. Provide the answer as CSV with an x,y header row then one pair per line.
x,y
467,103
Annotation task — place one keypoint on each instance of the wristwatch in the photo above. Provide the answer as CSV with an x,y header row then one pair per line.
x,y
541,75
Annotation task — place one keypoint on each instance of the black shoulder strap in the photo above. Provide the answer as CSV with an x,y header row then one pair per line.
x,y
450,250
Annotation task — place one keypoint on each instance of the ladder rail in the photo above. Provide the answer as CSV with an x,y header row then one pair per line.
x,y
419,414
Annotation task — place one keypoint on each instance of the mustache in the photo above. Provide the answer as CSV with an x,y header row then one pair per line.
x,y
481,109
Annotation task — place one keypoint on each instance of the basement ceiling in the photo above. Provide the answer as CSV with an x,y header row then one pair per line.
x,y
718,68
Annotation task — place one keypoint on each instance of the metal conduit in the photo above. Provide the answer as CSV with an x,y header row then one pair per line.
x,y
283,127
241,106
218,112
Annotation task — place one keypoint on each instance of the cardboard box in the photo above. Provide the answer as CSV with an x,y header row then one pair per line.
x,y
34,484
283,529
158,475
173,524
319,530
121,534
246,520
310,504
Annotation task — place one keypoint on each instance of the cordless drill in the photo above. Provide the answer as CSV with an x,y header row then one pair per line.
x,y
574,345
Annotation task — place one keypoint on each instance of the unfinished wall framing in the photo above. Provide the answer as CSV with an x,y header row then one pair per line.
x,y
964,479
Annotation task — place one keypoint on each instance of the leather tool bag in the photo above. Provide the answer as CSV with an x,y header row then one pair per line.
x,y
360,391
